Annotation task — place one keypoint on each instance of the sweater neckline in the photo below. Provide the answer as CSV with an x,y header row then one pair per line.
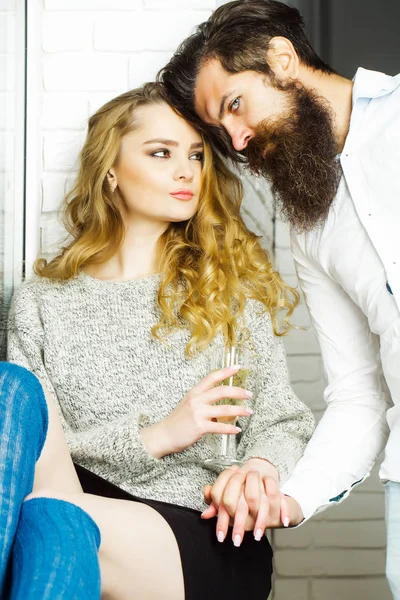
x,y
147,280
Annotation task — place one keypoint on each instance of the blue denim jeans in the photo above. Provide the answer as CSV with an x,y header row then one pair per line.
x,y
392,490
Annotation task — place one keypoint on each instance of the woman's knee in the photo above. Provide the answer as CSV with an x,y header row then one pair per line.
x,y
13,375
47,493
22,395
18,381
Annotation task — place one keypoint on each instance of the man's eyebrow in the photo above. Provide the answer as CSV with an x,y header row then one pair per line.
x,y
222,104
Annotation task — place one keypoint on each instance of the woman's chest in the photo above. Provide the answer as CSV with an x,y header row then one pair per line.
x,y
106,357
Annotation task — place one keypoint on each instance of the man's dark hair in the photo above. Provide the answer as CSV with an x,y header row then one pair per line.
x,y
238,35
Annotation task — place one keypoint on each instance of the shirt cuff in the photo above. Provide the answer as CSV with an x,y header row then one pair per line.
x,y
312,496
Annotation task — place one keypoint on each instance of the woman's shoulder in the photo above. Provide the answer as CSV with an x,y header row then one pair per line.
x,y
257,313
266,342
24,309
34,287
257,319
32,291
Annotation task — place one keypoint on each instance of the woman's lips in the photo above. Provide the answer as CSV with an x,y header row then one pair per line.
x,y
182,194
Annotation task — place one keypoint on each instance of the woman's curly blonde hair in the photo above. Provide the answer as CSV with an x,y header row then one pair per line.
x,y
210,264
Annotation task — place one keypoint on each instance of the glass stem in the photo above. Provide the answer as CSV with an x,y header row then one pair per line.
x,y
228,445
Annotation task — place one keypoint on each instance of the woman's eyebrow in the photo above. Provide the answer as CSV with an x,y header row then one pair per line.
x,y
171,143
161,141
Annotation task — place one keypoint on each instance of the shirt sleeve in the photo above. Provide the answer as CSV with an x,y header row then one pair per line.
x,y
353,430
281,425
113,444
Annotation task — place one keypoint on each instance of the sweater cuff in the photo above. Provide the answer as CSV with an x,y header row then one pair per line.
x,y
282,456
143,463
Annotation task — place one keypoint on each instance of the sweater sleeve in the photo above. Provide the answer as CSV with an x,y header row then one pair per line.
x,y
281,425
116,444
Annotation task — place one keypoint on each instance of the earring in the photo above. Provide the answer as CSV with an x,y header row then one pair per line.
x,y
113,187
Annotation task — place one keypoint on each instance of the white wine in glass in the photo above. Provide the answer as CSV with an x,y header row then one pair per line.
x,y
245,378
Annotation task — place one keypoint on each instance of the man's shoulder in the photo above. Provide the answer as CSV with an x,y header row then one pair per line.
x,y
374,84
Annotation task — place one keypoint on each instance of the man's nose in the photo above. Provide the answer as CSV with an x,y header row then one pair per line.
x,y
240,137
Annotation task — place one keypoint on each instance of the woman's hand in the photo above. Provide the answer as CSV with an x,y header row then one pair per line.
x,y
249,498
197,415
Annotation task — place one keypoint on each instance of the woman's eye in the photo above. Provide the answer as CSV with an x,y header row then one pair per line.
x,y
235,104
161,153
197,156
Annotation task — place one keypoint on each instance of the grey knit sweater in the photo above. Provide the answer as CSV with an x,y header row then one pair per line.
x,y
90,342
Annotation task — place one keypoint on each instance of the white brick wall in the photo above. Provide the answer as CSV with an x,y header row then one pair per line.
x,y
95,49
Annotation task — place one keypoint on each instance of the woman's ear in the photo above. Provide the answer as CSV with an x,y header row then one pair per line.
x,y
283,58
112,180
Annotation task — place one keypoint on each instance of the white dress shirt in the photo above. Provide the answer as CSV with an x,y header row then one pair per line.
x,y
349,271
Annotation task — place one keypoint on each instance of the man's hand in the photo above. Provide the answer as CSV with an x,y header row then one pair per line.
x,y
249,498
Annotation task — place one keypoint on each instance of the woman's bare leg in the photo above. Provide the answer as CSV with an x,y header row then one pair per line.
x,y
139,555
55,469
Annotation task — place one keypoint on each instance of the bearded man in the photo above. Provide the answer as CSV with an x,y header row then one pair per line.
x,y
330,148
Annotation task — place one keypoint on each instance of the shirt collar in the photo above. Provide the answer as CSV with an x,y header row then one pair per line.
x,y
371,84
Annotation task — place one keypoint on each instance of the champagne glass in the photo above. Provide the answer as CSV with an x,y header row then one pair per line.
x,y
246,378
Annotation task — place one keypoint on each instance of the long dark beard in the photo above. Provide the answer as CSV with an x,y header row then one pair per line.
x,y
297,154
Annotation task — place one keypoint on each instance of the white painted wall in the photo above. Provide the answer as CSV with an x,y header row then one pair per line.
x,y
93,50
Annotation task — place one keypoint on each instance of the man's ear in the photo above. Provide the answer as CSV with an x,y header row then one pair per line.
x,y
283,58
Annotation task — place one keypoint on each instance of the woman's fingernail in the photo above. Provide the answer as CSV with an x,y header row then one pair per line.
x,y
237,540
248,394
235,367
286,522
249,411
238,430
220,536
258,535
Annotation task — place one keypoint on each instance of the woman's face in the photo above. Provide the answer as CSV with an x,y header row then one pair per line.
x,y
158,170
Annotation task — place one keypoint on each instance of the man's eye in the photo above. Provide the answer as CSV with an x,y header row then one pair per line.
x,y
197,156
235,104
160,153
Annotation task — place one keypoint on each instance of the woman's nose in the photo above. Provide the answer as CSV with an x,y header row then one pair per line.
x,y
184,172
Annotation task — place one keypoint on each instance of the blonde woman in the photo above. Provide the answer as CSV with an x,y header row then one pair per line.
x,y
159,270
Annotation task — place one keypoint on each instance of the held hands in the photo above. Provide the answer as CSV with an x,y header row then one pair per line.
x,y
249,499
196,415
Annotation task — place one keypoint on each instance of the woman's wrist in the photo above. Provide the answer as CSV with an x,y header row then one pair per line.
x,y
263,466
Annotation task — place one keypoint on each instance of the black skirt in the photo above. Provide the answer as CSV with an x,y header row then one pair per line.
x,y
211,570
